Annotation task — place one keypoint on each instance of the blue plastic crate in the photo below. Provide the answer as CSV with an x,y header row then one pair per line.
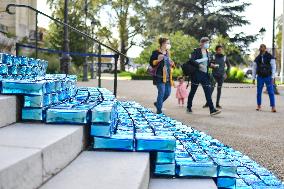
x,y
165,169
115,142
73,116
165,157
226,182
155,143
35,114
194,169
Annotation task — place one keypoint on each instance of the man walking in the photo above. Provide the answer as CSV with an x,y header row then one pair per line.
x,y
264,67
200,59
219,73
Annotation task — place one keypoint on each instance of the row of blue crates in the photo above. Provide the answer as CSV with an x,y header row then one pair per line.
x,y
180,150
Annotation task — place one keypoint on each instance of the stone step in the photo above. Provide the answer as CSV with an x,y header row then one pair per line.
x,y
8,110
105,170
30,154
157,183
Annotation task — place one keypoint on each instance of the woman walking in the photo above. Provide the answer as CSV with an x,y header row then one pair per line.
x,y
161,62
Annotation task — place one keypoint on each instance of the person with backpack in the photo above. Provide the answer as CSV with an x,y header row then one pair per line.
x,y
200,59
219,73
264,67
162,71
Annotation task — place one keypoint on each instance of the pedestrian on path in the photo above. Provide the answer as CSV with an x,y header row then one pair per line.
x,y
163,79
181,92
200,58
220,72
264,67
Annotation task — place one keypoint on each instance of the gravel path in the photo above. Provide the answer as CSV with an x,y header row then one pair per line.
x,y
260,135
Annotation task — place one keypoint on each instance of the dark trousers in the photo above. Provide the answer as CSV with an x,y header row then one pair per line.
x,y
203,79
219,81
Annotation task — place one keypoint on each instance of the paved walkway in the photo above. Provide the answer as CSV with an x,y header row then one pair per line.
x,y
257,134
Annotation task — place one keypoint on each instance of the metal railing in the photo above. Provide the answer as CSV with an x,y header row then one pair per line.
x,y
100,44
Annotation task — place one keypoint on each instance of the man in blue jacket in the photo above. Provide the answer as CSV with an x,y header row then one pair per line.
x,y
264,67
200,59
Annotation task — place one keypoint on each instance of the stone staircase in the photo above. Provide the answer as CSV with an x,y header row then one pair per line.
x,y
8,110
37,155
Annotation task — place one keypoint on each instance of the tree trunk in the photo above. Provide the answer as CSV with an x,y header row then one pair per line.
x,y
122,50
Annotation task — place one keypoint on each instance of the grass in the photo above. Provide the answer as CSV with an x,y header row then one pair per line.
x,y
125,74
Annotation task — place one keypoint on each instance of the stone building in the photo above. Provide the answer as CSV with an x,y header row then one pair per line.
x,y
22,23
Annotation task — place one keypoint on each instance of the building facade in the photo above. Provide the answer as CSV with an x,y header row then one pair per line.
x,y
22,23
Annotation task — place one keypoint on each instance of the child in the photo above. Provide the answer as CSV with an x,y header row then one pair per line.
x,y
181,92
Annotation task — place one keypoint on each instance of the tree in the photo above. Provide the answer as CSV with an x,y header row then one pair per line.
x,y
75,19
129,18
199,18
182,46
279,42
279,34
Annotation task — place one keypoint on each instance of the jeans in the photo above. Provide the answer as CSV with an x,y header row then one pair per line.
x,y
269,85
203,79
164,91
220,81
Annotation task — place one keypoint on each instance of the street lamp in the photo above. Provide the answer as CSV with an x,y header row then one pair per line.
x,y
85,64
262,33
65,58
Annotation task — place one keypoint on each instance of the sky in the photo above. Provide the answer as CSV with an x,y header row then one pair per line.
x,y
259,14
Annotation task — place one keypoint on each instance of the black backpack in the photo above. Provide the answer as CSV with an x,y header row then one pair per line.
x,y
188,69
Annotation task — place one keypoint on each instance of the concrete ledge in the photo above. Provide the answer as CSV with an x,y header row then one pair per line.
x,y
107,170
58,145
182,183
20,168
8,110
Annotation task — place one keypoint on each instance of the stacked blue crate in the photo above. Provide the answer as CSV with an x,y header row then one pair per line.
x,y
55,91
162,142
13,67
232,168
180,150
75,110
117,129
194,153
21,68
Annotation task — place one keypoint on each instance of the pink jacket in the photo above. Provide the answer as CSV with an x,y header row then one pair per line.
x,y
181,91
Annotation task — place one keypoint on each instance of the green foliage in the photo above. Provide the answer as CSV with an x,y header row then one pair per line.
x,y
125,74
199,18
233,72
128,17
240,76
177,72
75,18
141,72
53,62
182,46
279,34
236,75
